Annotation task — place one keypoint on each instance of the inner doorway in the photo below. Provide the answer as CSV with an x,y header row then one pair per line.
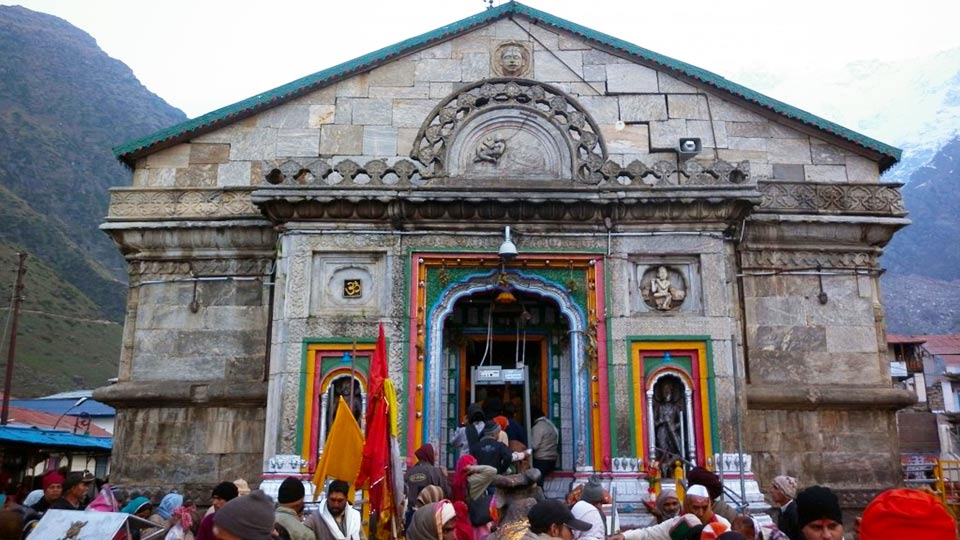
x,y
526,333
509,353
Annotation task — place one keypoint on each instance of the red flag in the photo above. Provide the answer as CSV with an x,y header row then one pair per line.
x,y
376,447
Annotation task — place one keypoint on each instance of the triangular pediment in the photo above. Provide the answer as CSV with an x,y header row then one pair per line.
x,y
588,65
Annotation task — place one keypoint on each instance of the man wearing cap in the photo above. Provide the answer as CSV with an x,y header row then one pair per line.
x,y
223,493
818,514
75,489
589,509
52,490
245,518
783,490
290,509
490,451
425,473
711,481
336,520
698,511
551,519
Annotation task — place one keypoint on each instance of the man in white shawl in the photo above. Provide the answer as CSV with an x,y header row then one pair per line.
x,y
337,519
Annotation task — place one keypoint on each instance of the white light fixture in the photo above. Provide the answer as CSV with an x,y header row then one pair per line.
x,y
508,250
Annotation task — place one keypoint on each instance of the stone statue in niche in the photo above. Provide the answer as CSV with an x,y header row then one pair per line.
x,y
511,59
490,150
668,409
664,293
341,387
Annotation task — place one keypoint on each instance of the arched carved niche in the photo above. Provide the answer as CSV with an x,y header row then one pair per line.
x,y
507,142
461,133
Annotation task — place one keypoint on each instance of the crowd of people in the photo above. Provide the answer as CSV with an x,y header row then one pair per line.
x,y
465,505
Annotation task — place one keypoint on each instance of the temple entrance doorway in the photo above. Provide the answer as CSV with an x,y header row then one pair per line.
x,y
509,355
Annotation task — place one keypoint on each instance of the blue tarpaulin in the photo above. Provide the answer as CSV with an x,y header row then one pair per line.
x,y
51,438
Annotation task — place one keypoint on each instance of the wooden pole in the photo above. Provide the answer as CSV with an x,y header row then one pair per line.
x,y
12,349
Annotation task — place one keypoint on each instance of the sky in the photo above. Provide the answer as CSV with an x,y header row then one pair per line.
x,y
200,55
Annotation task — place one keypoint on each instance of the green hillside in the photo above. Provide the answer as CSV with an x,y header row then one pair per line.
x,y
62,343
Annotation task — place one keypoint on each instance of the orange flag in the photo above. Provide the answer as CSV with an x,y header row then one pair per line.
x,y
342,452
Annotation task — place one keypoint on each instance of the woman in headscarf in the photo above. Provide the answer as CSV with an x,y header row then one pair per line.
x,y
667,505
434,521
427,495
140,507
470,483
181,526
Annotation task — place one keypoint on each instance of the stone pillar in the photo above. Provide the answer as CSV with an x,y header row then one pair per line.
x,y
190,394
820,403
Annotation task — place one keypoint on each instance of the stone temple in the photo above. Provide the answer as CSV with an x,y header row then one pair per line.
x,y
696,272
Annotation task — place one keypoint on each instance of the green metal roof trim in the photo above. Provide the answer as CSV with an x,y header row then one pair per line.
x,y
129,151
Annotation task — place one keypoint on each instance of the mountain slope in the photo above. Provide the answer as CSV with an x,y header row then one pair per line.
x,y
63,105
62,342
922,287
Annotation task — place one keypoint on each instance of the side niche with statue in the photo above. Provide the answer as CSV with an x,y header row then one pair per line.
x,y
663,288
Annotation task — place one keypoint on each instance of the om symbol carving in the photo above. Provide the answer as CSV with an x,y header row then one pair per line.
x,y
352,288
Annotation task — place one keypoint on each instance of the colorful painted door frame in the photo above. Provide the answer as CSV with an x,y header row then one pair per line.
x,y
573,281
690,359
322,365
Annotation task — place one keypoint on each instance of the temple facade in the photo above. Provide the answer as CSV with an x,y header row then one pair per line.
x,y
669,265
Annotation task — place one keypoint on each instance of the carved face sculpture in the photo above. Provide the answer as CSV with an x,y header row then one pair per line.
x,y
511,60
662,272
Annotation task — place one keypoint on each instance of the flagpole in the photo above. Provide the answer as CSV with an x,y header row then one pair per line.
x,y
353,373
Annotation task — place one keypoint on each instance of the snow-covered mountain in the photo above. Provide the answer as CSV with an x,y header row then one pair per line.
x,y
913,103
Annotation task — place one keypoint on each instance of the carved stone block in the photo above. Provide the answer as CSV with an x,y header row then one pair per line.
x,y
631,78
298,142
379,141
557,66
336,139
373,112
643,108
438,69
321,114
825,173
396,73
201,153
348,283
667,285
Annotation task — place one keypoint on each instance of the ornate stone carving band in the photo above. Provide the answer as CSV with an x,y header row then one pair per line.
x,y
135,204
810,197
404,173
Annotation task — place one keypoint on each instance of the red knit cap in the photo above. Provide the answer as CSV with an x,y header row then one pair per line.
x,y
713,531
906,513
52,478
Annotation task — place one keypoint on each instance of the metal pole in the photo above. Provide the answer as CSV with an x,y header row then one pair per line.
x,y
12,349
353,376
736,419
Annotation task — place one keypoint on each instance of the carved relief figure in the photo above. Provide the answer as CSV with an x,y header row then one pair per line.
x,y
663,292
490,149
668,422
512,60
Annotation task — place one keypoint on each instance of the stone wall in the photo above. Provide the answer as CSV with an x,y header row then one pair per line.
x,y
811,368
191,391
